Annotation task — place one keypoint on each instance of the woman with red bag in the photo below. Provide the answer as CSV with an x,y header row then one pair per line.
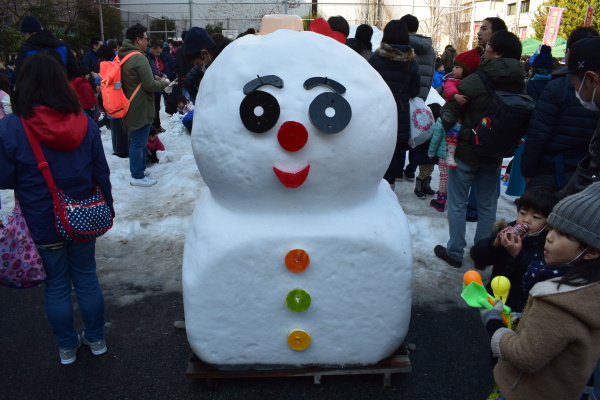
x,y
47,105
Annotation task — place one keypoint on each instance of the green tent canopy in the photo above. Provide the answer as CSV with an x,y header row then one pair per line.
x,y
530,45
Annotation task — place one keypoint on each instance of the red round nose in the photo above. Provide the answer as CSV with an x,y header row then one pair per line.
x,y
292,136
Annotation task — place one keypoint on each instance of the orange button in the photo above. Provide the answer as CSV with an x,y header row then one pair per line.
x,y
297,260
299,339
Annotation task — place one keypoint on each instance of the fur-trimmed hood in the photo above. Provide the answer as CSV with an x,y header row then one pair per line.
x,y
567,298
396,52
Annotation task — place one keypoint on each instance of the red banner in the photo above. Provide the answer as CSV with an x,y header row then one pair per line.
x,y
552,25
475,30
589,17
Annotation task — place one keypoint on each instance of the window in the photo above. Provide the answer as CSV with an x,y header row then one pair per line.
x,y
524,6
512,9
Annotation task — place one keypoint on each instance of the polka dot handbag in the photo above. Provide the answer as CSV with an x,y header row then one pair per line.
x,y
81,220
76,220
20,263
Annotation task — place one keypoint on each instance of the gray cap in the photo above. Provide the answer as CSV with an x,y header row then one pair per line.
x,y
579,216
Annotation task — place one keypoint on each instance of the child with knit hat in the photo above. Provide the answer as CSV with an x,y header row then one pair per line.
x,y
556,345
464,65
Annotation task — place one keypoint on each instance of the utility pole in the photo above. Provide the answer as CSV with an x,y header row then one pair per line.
x,y
101,23
191,15
313,9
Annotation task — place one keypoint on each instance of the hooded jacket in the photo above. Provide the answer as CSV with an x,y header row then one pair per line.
x,y
73,149
448,57
45,40
135,70
84,92
555,346
425,56
506,74
397,66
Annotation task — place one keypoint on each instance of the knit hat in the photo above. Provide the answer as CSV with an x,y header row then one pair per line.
x,y
469,59
585,55
30,25
543,59
197,39
579,215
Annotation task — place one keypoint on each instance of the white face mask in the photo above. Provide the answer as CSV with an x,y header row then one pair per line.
x,y
588,105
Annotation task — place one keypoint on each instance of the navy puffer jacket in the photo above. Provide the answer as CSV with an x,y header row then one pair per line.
x,y
559,133
72,147
397,66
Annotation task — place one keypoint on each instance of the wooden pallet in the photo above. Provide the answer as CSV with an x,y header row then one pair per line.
x,y
396,363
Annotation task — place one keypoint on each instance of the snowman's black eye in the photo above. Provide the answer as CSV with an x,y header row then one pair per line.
x,y
259,111
330,112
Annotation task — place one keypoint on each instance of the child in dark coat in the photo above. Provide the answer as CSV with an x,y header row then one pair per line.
x,y
508,253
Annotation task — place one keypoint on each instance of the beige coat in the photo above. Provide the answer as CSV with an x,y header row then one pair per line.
x,y
555,347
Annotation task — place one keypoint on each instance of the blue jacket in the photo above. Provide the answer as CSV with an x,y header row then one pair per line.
x,y
73,149
169,63
91,60
438,79
559,132
536,85
437,147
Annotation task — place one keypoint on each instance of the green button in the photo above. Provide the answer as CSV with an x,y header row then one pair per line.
x,y
298,300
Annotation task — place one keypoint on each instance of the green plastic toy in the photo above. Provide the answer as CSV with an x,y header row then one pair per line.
x,y
475,295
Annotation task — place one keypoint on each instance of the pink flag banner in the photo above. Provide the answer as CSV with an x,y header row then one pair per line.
x,y
589,17
523,34
552,25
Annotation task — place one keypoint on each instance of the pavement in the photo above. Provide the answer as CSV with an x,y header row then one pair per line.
x,y
147,358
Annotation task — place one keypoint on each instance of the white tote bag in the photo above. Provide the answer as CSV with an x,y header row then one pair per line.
x,y
421,122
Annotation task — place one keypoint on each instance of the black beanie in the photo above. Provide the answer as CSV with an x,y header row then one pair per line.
x,y
30,25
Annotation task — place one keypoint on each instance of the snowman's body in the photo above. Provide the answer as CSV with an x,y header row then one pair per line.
x,y
295,188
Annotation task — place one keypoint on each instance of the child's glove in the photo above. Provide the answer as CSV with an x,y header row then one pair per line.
x,y
494,313
515,317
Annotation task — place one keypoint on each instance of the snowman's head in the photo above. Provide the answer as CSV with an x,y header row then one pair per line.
x,y
293,119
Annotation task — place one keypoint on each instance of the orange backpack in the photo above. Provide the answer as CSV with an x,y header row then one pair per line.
x,y
115,103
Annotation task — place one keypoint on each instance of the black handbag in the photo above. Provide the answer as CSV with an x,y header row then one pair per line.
x,y
587,172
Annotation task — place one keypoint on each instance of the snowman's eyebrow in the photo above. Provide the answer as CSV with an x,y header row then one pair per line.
x,y
324,81
259,81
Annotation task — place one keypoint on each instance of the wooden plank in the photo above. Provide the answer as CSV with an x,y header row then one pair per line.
x,y
397,363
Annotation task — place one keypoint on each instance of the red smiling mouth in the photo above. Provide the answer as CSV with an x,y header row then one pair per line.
x,y
292,179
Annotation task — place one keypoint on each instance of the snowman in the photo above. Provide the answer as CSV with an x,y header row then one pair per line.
x,y
297,253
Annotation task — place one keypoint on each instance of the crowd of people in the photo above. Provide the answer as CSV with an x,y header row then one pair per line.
x,y
550,253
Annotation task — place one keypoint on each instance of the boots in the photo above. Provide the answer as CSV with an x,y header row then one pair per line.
x,y
440,203
451,142
419,189
426,188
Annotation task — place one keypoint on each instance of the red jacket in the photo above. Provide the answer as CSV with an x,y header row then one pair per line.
x,y
155,145
84,91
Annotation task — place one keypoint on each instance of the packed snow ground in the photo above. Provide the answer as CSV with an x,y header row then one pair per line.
x,y
142,254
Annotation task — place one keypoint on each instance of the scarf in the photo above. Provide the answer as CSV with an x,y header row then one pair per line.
x,y
538,272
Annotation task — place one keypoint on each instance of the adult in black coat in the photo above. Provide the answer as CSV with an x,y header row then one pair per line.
x,y
560,129
558,136
183,66
38,40
395,62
